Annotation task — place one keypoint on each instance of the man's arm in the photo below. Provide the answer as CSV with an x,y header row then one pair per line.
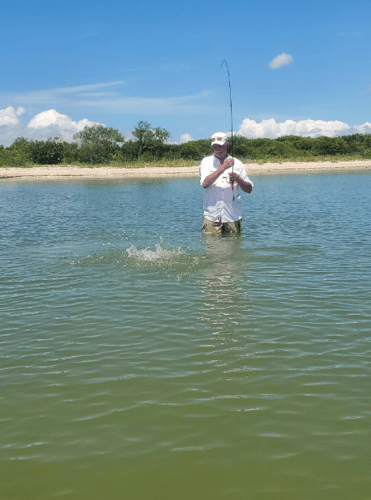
x,y
246,186
211,178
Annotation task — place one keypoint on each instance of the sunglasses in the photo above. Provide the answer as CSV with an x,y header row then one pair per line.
x,y
216,139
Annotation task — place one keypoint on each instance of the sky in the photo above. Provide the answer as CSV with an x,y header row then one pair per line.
x,y
295,67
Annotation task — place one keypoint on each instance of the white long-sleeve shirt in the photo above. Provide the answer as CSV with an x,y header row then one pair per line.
x,y
219,204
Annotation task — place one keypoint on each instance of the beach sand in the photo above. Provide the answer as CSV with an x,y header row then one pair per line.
x,y
58,172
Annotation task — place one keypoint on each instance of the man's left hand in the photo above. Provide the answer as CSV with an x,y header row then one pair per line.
x,y
233,177
244,185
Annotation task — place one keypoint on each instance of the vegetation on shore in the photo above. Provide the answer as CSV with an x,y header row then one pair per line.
x,y
100,145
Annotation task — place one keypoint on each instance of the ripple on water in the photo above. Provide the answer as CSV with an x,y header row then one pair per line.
x,y
256,365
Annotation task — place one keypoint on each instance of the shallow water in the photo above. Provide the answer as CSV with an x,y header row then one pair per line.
x,y
140,359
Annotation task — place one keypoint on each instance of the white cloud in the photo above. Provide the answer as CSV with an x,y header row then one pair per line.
x,y
109,98
281,60
113,103
358,129
81,88
51,123
63,122
8,117
185,138
305,128
46,124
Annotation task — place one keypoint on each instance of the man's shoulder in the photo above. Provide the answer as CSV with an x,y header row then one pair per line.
x,y
238,163
207,161
208,158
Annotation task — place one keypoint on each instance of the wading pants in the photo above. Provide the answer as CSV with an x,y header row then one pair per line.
x,y
210,227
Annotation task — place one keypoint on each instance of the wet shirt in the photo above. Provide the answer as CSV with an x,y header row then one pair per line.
x,y
219,205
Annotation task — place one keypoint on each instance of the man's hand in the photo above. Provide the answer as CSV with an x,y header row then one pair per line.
x,y
210,179
244,185
233,177
228,164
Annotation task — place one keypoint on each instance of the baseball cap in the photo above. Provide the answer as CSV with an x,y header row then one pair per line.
x,y
219,138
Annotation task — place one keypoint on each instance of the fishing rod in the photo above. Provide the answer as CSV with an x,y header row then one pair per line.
x,y
230,103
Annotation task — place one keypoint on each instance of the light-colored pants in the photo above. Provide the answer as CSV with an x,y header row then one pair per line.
x,y
210,227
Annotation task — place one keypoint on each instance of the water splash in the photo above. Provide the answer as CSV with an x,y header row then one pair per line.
x,y
158,255
173,260
180,262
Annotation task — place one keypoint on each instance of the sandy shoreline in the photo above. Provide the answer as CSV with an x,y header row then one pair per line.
x,y
56,172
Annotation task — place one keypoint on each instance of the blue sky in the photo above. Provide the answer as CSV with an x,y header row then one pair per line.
x,y
120,62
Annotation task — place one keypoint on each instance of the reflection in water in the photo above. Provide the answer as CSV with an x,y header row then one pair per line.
x,y
221,287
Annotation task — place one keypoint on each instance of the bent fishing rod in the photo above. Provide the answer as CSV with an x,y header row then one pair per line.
x,y
230,104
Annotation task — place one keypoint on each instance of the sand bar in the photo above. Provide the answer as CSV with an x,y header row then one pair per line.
x,y
58,172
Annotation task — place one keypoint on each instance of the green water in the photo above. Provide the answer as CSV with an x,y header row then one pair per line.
x,y
139,359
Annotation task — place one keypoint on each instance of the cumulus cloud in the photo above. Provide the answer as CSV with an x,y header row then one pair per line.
x,y
46,124
9,116
64,123
185,138
10,125
305,128
50,123
281,60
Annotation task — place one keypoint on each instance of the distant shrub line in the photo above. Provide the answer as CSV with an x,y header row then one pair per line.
x,y
100,145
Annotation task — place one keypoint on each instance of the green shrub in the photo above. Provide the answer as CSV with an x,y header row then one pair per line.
x,y
46,152
94,154
13,157
70,153
101,146
195,150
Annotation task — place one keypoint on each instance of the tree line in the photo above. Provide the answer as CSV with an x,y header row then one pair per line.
x,y
101,145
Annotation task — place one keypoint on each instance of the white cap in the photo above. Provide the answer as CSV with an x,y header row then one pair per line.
x,y
219,138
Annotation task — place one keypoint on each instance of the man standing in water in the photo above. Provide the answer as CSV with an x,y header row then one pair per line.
x,y
222,203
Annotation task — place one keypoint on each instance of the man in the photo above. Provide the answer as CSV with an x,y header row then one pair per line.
x,y
222,202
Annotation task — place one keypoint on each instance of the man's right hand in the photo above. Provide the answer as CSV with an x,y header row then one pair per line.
x,y
210,179
228,163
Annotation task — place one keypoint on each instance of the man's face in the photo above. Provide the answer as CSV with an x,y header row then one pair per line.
x,y
220,152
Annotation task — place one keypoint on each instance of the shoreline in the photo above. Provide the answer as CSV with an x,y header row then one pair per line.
x,y
64,172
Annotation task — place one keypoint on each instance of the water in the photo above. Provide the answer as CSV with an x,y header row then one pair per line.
x,y
140,359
